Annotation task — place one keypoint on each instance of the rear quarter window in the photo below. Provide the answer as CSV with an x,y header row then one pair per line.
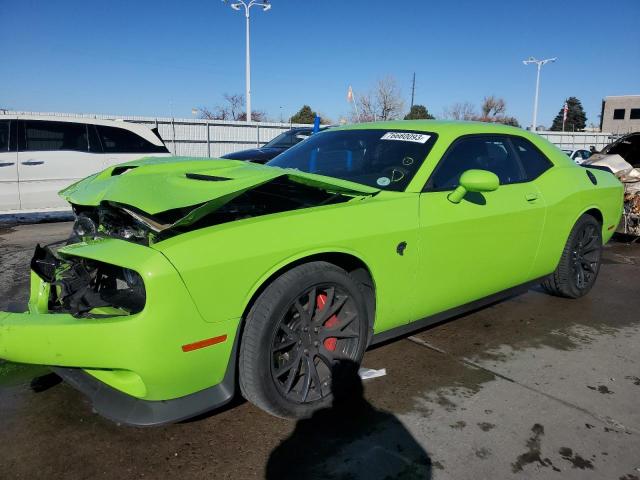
x,y
533,161
120,140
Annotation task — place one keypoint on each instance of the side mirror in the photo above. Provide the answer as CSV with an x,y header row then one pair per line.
x,y
474,181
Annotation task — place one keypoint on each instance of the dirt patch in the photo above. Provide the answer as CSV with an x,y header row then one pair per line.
x,y
533,455
576,460
486,426
601,389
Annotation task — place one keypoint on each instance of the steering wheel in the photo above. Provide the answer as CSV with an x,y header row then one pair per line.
x,y
395,173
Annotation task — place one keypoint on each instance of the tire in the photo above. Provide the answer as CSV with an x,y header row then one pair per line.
x,y
580,261
287,350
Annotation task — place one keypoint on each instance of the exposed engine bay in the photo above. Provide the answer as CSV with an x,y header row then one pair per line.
x,y
111,219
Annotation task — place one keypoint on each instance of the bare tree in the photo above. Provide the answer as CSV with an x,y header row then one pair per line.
x,y
208,114
235,106
493,106
384,102
460,111
231,109
256,116
493,110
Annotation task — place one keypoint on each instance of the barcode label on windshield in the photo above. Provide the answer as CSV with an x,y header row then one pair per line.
x,y
406,137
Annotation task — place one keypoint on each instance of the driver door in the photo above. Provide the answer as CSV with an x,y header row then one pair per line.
x,y
488,242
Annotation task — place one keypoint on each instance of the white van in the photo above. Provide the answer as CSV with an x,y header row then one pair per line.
x,y
41,155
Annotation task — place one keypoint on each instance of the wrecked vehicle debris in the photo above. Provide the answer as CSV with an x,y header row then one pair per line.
x,y
86,288
622,158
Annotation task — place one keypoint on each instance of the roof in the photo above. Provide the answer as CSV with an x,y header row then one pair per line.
x,y
438,126
620,96
137,128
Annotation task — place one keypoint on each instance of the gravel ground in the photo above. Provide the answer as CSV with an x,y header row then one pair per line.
x,y
533,387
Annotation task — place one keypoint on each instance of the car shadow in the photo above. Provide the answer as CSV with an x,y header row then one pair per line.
x,y
351,439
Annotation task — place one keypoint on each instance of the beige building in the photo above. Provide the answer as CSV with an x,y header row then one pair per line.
x,y
620,114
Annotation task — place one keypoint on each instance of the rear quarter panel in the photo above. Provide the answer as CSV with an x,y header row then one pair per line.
x,y
569,193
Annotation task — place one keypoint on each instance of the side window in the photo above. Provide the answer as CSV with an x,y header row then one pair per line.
x,y
299,136
618,114
493,153
53,136
5,129
532,159
120,140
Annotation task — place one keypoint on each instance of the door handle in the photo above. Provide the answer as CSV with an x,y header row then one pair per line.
x,y
33,162
7,164
531,197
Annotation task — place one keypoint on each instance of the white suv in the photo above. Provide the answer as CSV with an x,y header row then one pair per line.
x,y
40,155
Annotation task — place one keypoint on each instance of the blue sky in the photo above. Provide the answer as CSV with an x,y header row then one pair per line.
x,y
165,57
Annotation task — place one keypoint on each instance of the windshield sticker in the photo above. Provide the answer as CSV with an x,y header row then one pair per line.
x,y
406,137
383,181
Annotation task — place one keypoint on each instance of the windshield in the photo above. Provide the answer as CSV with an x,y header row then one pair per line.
x,y
288,139
386,159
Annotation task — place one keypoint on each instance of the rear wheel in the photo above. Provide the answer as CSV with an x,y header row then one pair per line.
x,y
580,262
302,325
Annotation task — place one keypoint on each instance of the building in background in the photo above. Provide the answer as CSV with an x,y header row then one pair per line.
x,y
620,114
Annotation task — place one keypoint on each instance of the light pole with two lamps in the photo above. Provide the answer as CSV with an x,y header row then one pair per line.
x,y
539,63
247,4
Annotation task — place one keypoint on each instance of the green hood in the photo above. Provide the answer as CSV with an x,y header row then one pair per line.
x,y
155,185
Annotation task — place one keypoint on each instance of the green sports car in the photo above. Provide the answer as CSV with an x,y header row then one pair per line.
x,y
187,279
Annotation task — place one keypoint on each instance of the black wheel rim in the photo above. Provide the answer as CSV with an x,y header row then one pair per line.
x,y
585,256
320,327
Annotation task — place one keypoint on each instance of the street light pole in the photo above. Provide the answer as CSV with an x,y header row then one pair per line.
x,y
247,6
539,64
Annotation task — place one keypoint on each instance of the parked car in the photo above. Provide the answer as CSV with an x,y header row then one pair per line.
x,y
275,147
40,155
622,158
275,274
579,155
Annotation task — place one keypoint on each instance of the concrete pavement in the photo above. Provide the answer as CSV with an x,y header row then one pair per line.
x,y
533,387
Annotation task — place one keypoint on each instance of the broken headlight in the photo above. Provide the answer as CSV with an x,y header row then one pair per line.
x,y
85,287
84,227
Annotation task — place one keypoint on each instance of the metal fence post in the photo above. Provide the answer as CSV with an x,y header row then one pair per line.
x,y
175,145
257,136
208,139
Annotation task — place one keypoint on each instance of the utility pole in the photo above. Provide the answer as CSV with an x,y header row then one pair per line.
x,y
539,63
247,6
413,89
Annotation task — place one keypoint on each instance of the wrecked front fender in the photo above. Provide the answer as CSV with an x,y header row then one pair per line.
x,y
140,354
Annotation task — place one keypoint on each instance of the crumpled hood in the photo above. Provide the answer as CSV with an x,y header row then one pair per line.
x,y
158,184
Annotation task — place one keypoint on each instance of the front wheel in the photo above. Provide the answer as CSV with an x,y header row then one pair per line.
x,y
302,325
580,262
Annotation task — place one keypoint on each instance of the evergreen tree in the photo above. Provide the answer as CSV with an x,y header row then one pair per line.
x,y
304,115
576,118
419,112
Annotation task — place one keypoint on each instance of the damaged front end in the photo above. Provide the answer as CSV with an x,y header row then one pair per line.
x,y
128,222
83,287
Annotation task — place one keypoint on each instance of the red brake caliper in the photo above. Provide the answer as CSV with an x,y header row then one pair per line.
x,y
329,343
